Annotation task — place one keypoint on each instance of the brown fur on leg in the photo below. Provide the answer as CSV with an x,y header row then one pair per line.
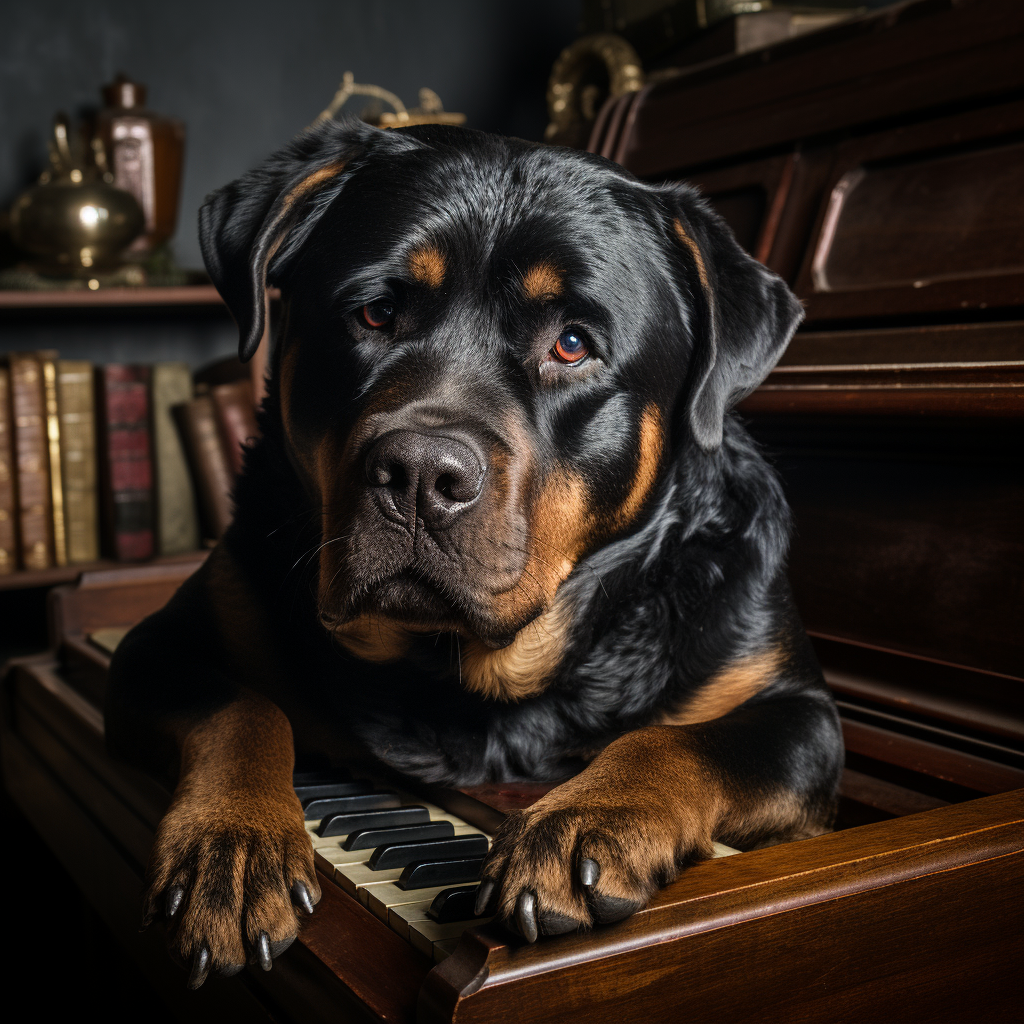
x,y
648,804
233,839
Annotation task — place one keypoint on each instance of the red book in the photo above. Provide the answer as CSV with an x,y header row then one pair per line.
x,y
126,461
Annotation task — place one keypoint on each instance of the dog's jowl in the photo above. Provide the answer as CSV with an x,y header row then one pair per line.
x,y
501,525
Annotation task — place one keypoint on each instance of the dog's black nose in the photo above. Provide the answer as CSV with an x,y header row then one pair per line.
x,y
435,474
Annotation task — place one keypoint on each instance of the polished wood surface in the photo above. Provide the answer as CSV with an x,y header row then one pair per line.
x,y
848,908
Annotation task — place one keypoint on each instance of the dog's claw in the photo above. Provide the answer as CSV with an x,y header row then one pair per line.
x,y
200,967
483,897
263,951
589,872
300,896
526,915
172,901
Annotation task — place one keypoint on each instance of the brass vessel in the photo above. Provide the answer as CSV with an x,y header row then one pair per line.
x,y
74,220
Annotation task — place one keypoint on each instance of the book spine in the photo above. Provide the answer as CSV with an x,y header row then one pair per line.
x,y
48,364
35,517
8,498
127,462
177,522
236,419
210,468
78,459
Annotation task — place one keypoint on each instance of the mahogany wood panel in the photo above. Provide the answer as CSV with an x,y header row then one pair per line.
x,y
913,57
851,906
926,217
907,533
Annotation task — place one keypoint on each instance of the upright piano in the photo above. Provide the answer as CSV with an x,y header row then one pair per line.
x,y
879,167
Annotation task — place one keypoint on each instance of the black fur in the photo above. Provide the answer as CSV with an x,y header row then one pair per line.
x,y
695,581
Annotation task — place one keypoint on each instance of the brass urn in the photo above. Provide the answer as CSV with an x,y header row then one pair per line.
x,y
75,220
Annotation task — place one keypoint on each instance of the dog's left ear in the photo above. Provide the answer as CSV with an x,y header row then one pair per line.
x,y
745,314
245,225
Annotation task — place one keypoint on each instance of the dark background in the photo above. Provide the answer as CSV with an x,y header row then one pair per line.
x,y
246,76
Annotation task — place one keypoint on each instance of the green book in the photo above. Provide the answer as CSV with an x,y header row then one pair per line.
x,y
177,523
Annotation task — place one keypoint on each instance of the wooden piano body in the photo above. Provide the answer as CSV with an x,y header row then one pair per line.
x,y
879,168
911,911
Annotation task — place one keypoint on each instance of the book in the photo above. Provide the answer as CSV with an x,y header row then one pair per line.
x,y
126,464
78,459
8,499
235,409
177,522
210,470
48,368
32,461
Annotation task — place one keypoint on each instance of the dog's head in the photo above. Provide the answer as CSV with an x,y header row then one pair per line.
x,y
491,351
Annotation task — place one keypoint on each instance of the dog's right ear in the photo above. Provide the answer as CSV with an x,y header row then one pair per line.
x,y
243,226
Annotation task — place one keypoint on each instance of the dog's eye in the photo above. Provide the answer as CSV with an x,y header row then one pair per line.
x,y
378,313
571,346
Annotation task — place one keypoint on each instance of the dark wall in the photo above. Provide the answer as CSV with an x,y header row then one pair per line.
x,y
245,76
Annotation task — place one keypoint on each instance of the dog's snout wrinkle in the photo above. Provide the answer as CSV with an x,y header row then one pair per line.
x,y
432,477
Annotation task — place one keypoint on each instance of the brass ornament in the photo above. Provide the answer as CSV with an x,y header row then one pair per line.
x,y
430,111
74,220
585,75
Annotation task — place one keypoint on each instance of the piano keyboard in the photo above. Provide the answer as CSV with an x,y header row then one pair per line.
x,y
411,863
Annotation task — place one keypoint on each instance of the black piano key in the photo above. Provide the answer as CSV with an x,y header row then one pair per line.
x,y
321,775
343,804
326,791
398,855
353,821
454,904
371,838
428,873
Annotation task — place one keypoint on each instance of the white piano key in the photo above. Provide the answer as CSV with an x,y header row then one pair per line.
x,y
400,917
337,857
721,850
353,877
423,934
381,898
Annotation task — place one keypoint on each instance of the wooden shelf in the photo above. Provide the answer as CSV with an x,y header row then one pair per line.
x,y
25,579
185,295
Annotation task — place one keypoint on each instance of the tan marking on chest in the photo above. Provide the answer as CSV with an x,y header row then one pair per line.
x,y
542,281
427,265
729,688
525,667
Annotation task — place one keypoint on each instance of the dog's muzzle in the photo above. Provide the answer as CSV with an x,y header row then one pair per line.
x,y
433,477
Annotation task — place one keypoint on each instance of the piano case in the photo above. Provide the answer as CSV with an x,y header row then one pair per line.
x,y
878,167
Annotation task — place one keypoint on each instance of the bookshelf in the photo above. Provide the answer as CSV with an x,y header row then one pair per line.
x,y
115,298
117,324
184,295
27,579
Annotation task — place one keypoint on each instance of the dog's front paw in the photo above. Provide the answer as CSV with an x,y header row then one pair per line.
x,y
595,849
227,885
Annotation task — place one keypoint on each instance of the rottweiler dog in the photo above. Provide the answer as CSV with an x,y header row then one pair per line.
x,y
501,524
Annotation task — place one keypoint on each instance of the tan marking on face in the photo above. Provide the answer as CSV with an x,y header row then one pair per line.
x,y
683,235
652,443
542,281
524,668
374,638
427,265
729,688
